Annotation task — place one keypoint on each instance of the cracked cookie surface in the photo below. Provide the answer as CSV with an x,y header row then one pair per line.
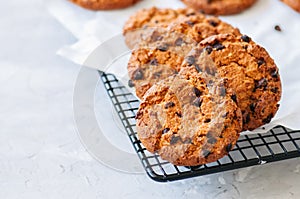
x,y
249,70
154,17
199,27
186,21
186,122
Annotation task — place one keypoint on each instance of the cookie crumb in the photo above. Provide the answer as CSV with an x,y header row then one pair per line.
x,y
138,74
130,83
245,38
278,28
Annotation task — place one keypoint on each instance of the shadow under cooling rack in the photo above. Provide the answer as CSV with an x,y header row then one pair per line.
x,y
278,144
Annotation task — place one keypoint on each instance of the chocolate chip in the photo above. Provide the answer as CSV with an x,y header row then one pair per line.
x,y
190,23
130,83
197,102
228,147
218,46
278,28
225,81
262,83
190,60
163,47
222,92
209,134
179,41
274,90
154,62
252,107
233,97
261,61
209,70
178,114
197,92
169,104
208,49
274,73
213,23
174,139
205,152
190,14
157,74
165,130
187,141
153,114
156,36
138,115
245,47
208,1
197,67
245,38
207,120
212,140
246,119
138,74
268,119
210,83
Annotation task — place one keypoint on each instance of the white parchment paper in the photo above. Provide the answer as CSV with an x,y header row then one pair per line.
x,y
94,28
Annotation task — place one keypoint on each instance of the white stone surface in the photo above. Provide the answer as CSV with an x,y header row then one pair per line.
x,y
40,153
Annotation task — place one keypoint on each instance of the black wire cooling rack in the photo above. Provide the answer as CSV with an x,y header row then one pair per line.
x,y
278,144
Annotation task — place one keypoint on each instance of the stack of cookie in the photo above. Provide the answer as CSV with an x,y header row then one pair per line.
x,y
201,82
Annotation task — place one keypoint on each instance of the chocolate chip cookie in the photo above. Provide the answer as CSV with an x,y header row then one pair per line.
x,y
187,122
220,7
248,69
104,4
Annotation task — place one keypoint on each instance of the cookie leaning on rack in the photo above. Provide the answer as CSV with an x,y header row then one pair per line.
x,y
189,119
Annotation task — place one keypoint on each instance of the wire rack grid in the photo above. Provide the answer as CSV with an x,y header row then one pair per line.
x,y
280,143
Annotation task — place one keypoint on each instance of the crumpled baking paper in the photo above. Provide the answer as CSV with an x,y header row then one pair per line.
x,y
94,28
